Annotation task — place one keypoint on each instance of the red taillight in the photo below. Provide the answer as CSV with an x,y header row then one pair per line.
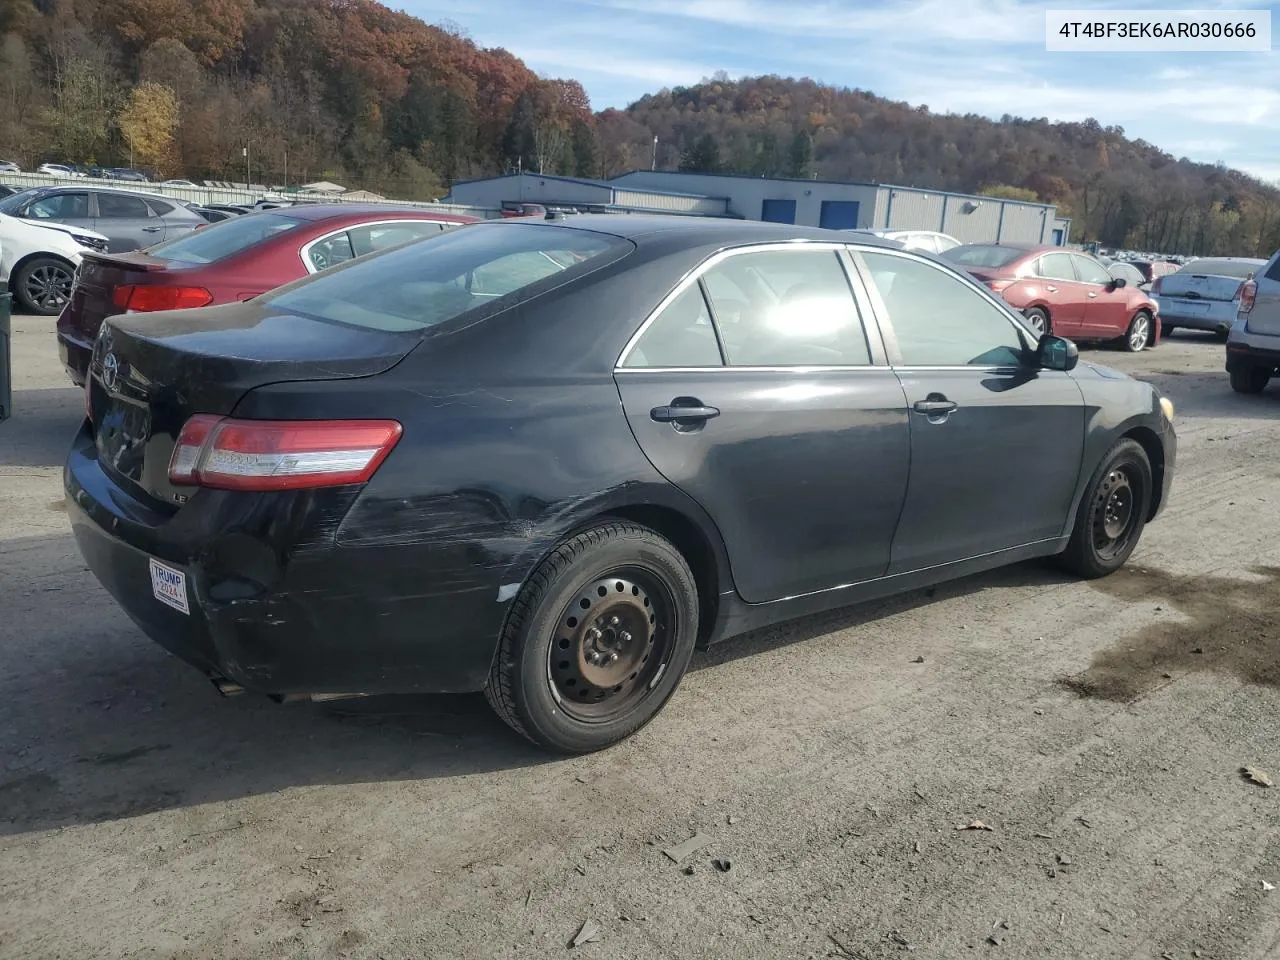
x,y
998,285
147,297
229,454
1248,293
1155,286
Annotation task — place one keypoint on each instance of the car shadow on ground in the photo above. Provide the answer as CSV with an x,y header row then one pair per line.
x,y
42,426
99,724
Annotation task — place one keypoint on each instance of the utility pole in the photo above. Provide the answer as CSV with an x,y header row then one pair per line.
x,y
248,179
653,163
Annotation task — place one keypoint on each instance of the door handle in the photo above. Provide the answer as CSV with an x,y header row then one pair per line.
x,y
676,413
935,407
150,229
1092,295
1052,289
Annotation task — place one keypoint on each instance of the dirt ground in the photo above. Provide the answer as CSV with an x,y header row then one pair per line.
x,y
1098,730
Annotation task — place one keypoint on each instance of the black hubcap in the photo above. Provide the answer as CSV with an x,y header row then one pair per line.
x,y
1114,512
611,646
49,286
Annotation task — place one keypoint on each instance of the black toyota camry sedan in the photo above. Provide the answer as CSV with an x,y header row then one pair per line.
x,y
547,459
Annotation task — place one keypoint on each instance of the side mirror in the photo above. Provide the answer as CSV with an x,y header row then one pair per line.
x,y
1118,282
1056,353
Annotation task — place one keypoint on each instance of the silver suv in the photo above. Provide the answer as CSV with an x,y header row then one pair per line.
x,y
1253,345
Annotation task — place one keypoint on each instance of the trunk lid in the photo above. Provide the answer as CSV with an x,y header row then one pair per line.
x,y
151,372
1194,286
96,281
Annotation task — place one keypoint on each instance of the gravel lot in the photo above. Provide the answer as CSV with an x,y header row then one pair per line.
x,y
1099,730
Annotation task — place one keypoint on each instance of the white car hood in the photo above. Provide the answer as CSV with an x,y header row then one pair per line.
x,y
63,228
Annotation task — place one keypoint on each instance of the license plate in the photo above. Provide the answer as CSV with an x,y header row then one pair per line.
x,y
169,586
1187,308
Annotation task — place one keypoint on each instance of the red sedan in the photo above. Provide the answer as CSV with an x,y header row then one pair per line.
x,y
237,259
1064,292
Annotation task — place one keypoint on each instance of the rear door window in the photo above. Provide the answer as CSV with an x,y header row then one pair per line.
x,y
1055,266
420,285
680,336
118,206
382,236
221,240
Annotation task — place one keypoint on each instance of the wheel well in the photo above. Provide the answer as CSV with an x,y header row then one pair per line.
x,y
693,545
1147,438
39,254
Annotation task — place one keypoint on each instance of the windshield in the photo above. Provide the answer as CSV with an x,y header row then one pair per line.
x,y
982,255
1236,269
434,280
15,202
221,240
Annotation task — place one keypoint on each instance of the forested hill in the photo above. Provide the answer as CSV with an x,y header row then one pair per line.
x,y
1122,191
352,91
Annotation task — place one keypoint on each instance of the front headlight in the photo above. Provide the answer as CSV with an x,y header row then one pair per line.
x,y
1166,406
91,243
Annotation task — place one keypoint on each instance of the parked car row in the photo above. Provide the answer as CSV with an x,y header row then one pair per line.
x,y
228,262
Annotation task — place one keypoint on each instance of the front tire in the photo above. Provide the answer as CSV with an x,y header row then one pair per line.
x,y
42,285
597,640
1250,379
1112,513
1138,335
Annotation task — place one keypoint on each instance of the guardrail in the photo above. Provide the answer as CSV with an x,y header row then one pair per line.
x,y
237,194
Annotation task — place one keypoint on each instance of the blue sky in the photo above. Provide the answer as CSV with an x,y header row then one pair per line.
x,y
962,56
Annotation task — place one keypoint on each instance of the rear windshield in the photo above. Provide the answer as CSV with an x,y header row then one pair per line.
x,y
221,240
1236,269
434,280
981,255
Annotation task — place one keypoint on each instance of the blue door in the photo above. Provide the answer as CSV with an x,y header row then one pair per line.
x,y
1057,238
778,211
839,214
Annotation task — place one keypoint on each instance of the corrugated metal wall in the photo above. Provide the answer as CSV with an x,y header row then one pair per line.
x,y
975,221
1024,223
670,203
912,210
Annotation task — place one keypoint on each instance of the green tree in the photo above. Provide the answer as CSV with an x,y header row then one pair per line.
x,y
702,157
801,154
1005,192
586,154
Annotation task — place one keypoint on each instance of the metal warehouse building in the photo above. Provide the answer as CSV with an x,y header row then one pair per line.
x,y
837,205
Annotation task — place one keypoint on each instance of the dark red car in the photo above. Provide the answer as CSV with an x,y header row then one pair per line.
x,y
237,259
1064,292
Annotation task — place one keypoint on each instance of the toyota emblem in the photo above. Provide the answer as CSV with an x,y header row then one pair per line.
x,y
110,370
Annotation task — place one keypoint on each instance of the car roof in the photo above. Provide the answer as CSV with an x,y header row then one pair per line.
x,y
637,227
328,211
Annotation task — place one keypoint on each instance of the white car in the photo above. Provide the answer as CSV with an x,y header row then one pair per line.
x,y
39,261
57,170
926,241
177,183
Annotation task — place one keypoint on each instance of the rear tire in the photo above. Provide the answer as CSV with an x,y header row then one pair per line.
x,y
1138,335
42,285
1250,379
597,640
1112,513
1038,320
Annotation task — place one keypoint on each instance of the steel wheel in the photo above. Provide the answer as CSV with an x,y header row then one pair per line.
x,y
45,286
1114,517
1139,332
611,646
